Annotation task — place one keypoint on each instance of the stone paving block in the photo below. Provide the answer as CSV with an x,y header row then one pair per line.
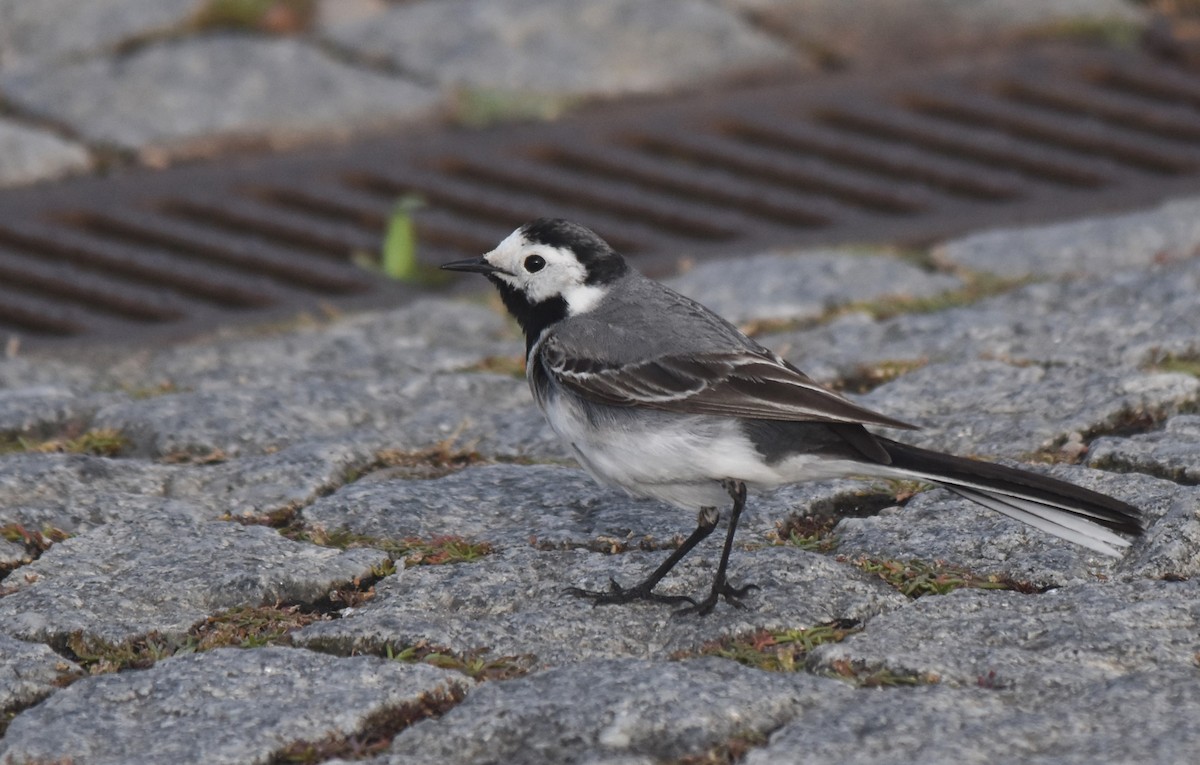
x,y
936,526
550,507
28,155
164,574
39,411
29,672
34,33
222,707
514,603
32,372
1097,245
805,285
1140,717
602,47
998,409
1172,452
1063,639
246,421
597,710
425,337
169,93
882,33
11,554
75,492
1133,318
291,477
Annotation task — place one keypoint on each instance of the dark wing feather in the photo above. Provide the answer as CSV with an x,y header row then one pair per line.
x,y
745,383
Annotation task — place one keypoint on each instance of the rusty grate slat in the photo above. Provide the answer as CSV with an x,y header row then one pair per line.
x,y
1031,136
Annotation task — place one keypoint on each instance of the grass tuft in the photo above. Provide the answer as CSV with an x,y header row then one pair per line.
x,y
412,551
101,442
280,17
728,752
477,664
776,650
867,377
35,542
241,627
376,734
862,677
808,532
481,107
914,578
1188,364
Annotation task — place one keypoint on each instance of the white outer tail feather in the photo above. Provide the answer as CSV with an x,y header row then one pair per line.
x,y
1061,520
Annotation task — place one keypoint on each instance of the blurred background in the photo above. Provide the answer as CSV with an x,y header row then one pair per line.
x,y
168,164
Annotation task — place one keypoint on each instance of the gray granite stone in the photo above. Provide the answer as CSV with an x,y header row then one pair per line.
x,y
602,47
33,33
549,507
1172,453
514,603
421,409
41,410
885,33
998,409
221,707
805,285
1127,318
937,526
1064,639
1090,246
29,672
12,554
164,574
32,372
292,477
427,336
169,93
28,155
597,710
76,492
1139,717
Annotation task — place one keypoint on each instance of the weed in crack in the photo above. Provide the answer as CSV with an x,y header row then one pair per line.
x,y
477,664
376,733
732,750
34,543
240,627
775,650
862,676
867,377
101,442
915,578
411,551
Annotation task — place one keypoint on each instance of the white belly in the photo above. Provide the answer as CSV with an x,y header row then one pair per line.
x,y
681,459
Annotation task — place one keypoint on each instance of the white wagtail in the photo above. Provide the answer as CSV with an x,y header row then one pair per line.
x,y
658,395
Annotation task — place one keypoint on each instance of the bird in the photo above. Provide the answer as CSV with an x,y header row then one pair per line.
x,y
659,396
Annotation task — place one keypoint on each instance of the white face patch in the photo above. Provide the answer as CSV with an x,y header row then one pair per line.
x,y
561,276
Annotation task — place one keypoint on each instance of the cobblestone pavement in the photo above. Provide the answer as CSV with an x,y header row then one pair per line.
x,y
348,538
110,82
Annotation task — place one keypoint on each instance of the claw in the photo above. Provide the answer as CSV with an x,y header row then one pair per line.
x,y
618,594
732,595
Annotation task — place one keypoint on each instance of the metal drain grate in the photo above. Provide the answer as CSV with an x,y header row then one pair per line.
x,y
1035,136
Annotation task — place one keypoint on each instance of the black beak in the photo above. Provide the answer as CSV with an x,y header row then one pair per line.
x,y
474,265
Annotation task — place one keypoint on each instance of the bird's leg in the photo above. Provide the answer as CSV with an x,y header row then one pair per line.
x,y
706,521
720,586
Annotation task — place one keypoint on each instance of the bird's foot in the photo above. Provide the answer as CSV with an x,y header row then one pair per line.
x,y
618,594
733,596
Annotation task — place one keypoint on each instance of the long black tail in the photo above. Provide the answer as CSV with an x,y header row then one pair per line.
x,y
1063,509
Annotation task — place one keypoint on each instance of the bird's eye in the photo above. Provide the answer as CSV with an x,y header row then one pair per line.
x,y
534,263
